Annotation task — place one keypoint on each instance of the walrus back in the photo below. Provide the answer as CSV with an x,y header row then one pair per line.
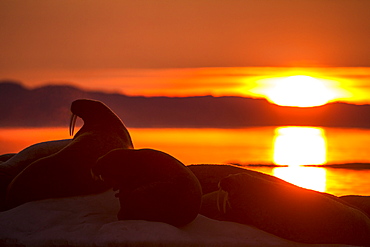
x,y
152,186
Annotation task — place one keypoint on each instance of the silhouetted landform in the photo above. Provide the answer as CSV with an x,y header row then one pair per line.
x,y
351,166
49,106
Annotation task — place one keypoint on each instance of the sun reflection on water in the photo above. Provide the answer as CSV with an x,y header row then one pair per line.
x,y
313,178
298,146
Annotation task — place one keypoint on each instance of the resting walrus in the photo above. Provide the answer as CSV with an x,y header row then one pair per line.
x,y
152,185
68,171
292,212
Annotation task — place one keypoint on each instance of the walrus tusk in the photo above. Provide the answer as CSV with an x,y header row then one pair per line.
x,y
96,177
226,203
72,124
218,200
222,201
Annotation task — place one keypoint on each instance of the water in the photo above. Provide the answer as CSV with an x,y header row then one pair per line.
x,y
263,145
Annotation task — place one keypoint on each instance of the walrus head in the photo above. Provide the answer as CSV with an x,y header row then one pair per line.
x,y
93,113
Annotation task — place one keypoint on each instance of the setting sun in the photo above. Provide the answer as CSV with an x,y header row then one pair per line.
x,y
300,91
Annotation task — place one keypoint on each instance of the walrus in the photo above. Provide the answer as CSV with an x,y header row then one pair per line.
x,y
292,212
68,171
6,157
153,186
361,202
210,175
13,164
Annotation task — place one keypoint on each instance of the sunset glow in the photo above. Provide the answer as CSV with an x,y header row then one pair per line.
x,y
299,91
339,84
280,87
307,177
308,87
296,146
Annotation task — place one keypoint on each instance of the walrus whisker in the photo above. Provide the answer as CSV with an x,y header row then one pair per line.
x,y
72,124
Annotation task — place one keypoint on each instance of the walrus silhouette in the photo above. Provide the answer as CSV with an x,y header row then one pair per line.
x,y
152,185
16,163
292,212
67,172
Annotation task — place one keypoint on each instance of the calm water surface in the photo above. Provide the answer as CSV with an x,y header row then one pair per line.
x,y
263,145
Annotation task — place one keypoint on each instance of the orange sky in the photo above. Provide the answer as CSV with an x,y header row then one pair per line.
x,y
350,83
184,47
99,34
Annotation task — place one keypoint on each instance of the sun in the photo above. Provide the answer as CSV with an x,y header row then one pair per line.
x,y
299,91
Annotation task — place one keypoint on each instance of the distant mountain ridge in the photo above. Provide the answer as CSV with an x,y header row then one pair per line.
x,y
49,106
